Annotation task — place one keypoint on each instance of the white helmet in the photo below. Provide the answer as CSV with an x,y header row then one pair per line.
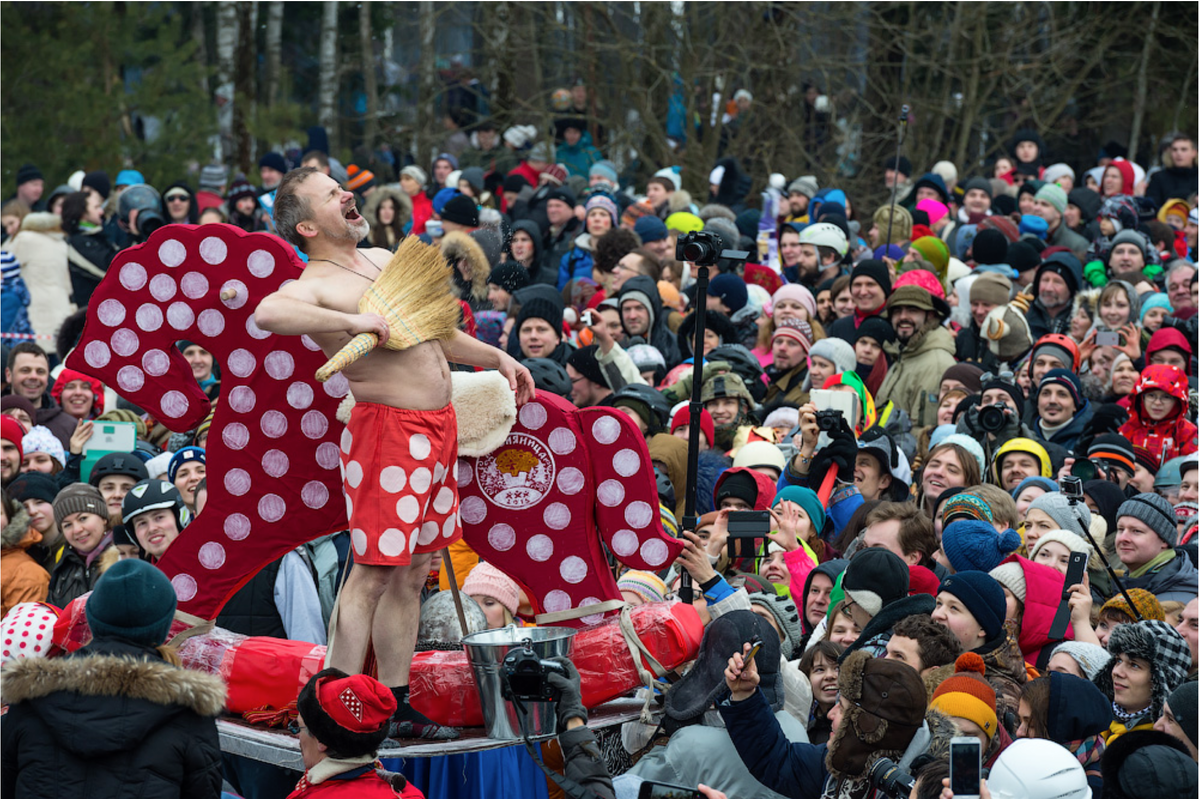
x,y
1034,768
824,234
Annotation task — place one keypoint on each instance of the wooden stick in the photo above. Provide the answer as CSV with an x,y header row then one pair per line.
x,y
228,294
458,605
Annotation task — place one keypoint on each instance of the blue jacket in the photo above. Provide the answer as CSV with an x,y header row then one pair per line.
x,y
791,769
578,159
1068,436
577,262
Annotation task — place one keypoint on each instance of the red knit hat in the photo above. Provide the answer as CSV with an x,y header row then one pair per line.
x,y
349,713
683,416
11,430
922,581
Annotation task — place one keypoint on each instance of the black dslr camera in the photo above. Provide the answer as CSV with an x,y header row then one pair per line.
x,y
829,420
525,676
991,417
701,247
889,779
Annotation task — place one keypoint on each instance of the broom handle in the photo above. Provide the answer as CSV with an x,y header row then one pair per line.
x,y
356,348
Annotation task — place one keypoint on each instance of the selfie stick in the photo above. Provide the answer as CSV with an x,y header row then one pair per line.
x,y
1072,500
895,169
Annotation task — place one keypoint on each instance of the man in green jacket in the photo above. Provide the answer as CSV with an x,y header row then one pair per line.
x,y
926,350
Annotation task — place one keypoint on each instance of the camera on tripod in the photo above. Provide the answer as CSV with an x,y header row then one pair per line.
x,y
525,676
705,248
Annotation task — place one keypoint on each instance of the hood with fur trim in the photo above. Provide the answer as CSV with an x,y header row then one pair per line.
x,y
403,203
42,222
459,246
18,532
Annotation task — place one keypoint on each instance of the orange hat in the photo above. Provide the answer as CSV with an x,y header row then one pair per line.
x,y
967,695
359,178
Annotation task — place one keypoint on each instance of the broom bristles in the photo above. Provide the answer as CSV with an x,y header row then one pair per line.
x,y
414,294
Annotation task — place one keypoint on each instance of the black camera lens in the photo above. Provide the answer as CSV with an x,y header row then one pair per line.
x,y
991,418
1084,469
829,420
889,779
148,222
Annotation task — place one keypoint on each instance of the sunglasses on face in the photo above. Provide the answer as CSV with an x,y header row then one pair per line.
x,y
176,197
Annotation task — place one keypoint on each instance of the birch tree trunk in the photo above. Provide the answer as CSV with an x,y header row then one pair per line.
x,y
227,39
274,51
328,79
1139,96
371,84
244,93
426,113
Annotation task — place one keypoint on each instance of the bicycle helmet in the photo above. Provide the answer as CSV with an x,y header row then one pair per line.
x,y
549,376
1062,342
825,234
1035,768
118,463
151,495
655,403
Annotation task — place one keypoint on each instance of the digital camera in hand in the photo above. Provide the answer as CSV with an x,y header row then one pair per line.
x,y
525,677
992,418
888,779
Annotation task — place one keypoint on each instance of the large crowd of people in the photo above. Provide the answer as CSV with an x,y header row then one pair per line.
x,y
1018,344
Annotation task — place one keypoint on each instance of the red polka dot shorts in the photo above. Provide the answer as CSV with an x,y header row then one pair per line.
x,y
400,476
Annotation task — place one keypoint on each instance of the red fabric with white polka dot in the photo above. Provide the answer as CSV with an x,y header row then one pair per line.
x,y
27,631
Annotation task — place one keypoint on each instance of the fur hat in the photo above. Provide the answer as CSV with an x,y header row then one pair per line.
x,y
875,578
784,611
1157,643
349,713
887,708
132,600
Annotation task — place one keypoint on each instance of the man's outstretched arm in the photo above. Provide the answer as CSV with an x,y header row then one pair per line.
x,y
472,352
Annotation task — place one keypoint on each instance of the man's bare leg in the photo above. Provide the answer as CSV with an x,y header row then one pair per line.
x,y
394,635
357,604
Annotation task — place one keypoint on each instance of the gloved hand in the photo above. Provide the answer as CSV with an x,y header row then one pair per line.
x,y
841,452
968,423
1106,418
1096,274
570,703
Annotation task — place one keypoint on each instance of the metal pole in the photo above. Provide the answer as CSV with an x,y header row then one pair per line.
x,y
694,408
895,171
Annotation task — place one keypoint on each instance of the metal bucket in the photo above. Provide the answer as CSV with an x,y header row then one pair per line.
x,y
486,651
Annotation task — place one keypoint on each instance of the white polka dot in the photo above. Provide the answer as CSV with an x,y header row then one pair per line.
x,y
271,508
130,379
627,463
180,315
211,555
172,253
347,440
174,404
314,425
561,441
408,509
473,510
194,285
279,364
125,342
241,362
235,435
638,514
450,526
162,287
392,542
314,495
570,481
185,587
211,322
420,480
439,473
625,542
309,344
610,493
240,297
502,537
274,424
594,618
97,354
213,250
556,601
556,516
111,313
606,429
463,472
237,482
300,395
655,552
349,508
539,547
242,399
419,447
392,479
532,415
354,473
254,330
444,500
275,463
337,386
573,569
327,455
237,526
133,276
429,533
156,363
260,263
359,540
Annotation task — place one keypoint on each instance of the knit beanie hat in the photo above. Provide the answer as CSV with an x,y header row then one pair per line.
x,y
783,609
731,289
970,445
1155,300
539,308
683,417
875,327
605,202
646,585
1067,380
966,373
486,580
982,596
510,276
876,270
583,360
348,713
1090,657
990,247
462,210
1054,195
933,250
992,288
33,485
132,600
798,293
807,499
1075,519
972,545
12,432
416,173
967,695
1011,575
684,222
79,498
1045,483
738,484
836,351
875,578
806,185
1146,603
40,439
650,229
1114,450
1067,538
1155,512
1183,702
182,456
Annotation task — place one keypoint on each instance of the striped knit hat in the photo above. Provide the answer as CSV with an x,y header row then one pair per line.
x,y
967,694
646,585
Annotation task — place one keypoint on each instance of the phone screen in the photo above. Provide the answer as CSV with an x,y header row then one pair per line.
x,y
661,790
964,767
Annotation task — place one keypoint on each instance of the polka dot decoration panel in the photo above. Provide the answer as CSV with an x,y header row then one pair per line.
x,y
274,474
565,479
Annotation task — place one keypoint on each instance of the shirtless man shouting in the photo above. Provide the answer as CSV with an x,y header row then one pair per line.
x,y
400,449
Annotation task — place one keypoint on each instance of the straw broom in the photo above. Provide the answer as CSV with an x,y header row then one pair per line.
x,y
414,294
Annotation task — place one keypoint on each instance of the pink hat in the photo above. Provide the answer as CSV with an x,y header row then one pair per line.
x,y
934,208
486,580
922,279
794,291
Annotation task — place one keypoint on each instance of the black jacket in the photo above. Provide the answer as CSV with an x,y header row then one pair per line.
x,y
252,610
1172,183
88,264
971,347
112,720
73,576
660,335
